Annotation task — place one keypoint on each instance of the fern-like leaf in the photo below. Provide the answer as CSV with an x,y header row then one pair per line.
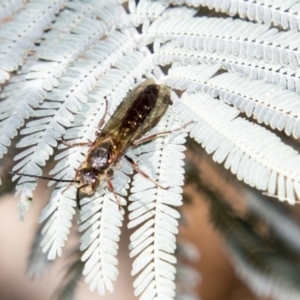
x,y
61,61
16,41
269,104
272,167
153,244
100,218
278,13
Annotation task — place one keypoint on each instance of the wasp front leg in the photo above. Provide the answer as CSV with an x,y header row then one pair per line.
x,y
101,122
89,143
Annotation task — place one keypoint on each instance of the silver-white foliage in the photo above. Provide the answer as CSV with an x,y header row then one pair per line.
x,y
53,114
154,243
25,95
269,104
252,67
145,10
9,7
278,12
58,215
229,36
18,37
238,46
255,155
100,220
70,159
59,53
180,11
98,55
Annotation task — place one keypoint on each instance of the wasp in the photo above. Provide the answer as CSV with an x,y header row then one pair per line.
x,y
140,111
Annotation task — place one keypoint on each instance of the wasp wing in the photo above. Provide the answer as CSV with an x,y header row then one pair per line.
x,y
140,111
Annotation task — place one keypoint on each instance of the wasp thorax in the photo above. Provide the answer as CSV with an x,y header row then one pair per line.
x,y
99,156
88,179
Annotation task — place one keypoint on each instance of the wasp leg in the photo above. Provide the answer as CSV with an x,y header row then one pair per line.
x,y
155,135
137,168
111,188
89,143
98,131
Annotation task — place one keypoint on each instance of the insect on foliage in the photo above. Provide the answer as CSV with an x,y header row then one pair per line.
x,y
140,111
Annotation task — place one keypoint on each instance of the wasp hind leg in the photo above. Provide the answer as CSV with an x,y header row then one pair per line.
x,y
112,189
137,168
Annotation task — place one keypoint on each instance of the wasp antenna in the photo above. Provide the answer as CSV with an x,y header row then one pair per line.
x,y
43,177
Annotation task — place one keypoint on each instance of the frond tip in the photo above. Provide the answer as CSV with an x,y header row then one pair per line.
x,y
58,215
100,220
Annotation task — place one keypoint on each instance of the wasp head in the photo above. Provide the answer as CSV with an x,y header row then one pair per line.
x,y
88,179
